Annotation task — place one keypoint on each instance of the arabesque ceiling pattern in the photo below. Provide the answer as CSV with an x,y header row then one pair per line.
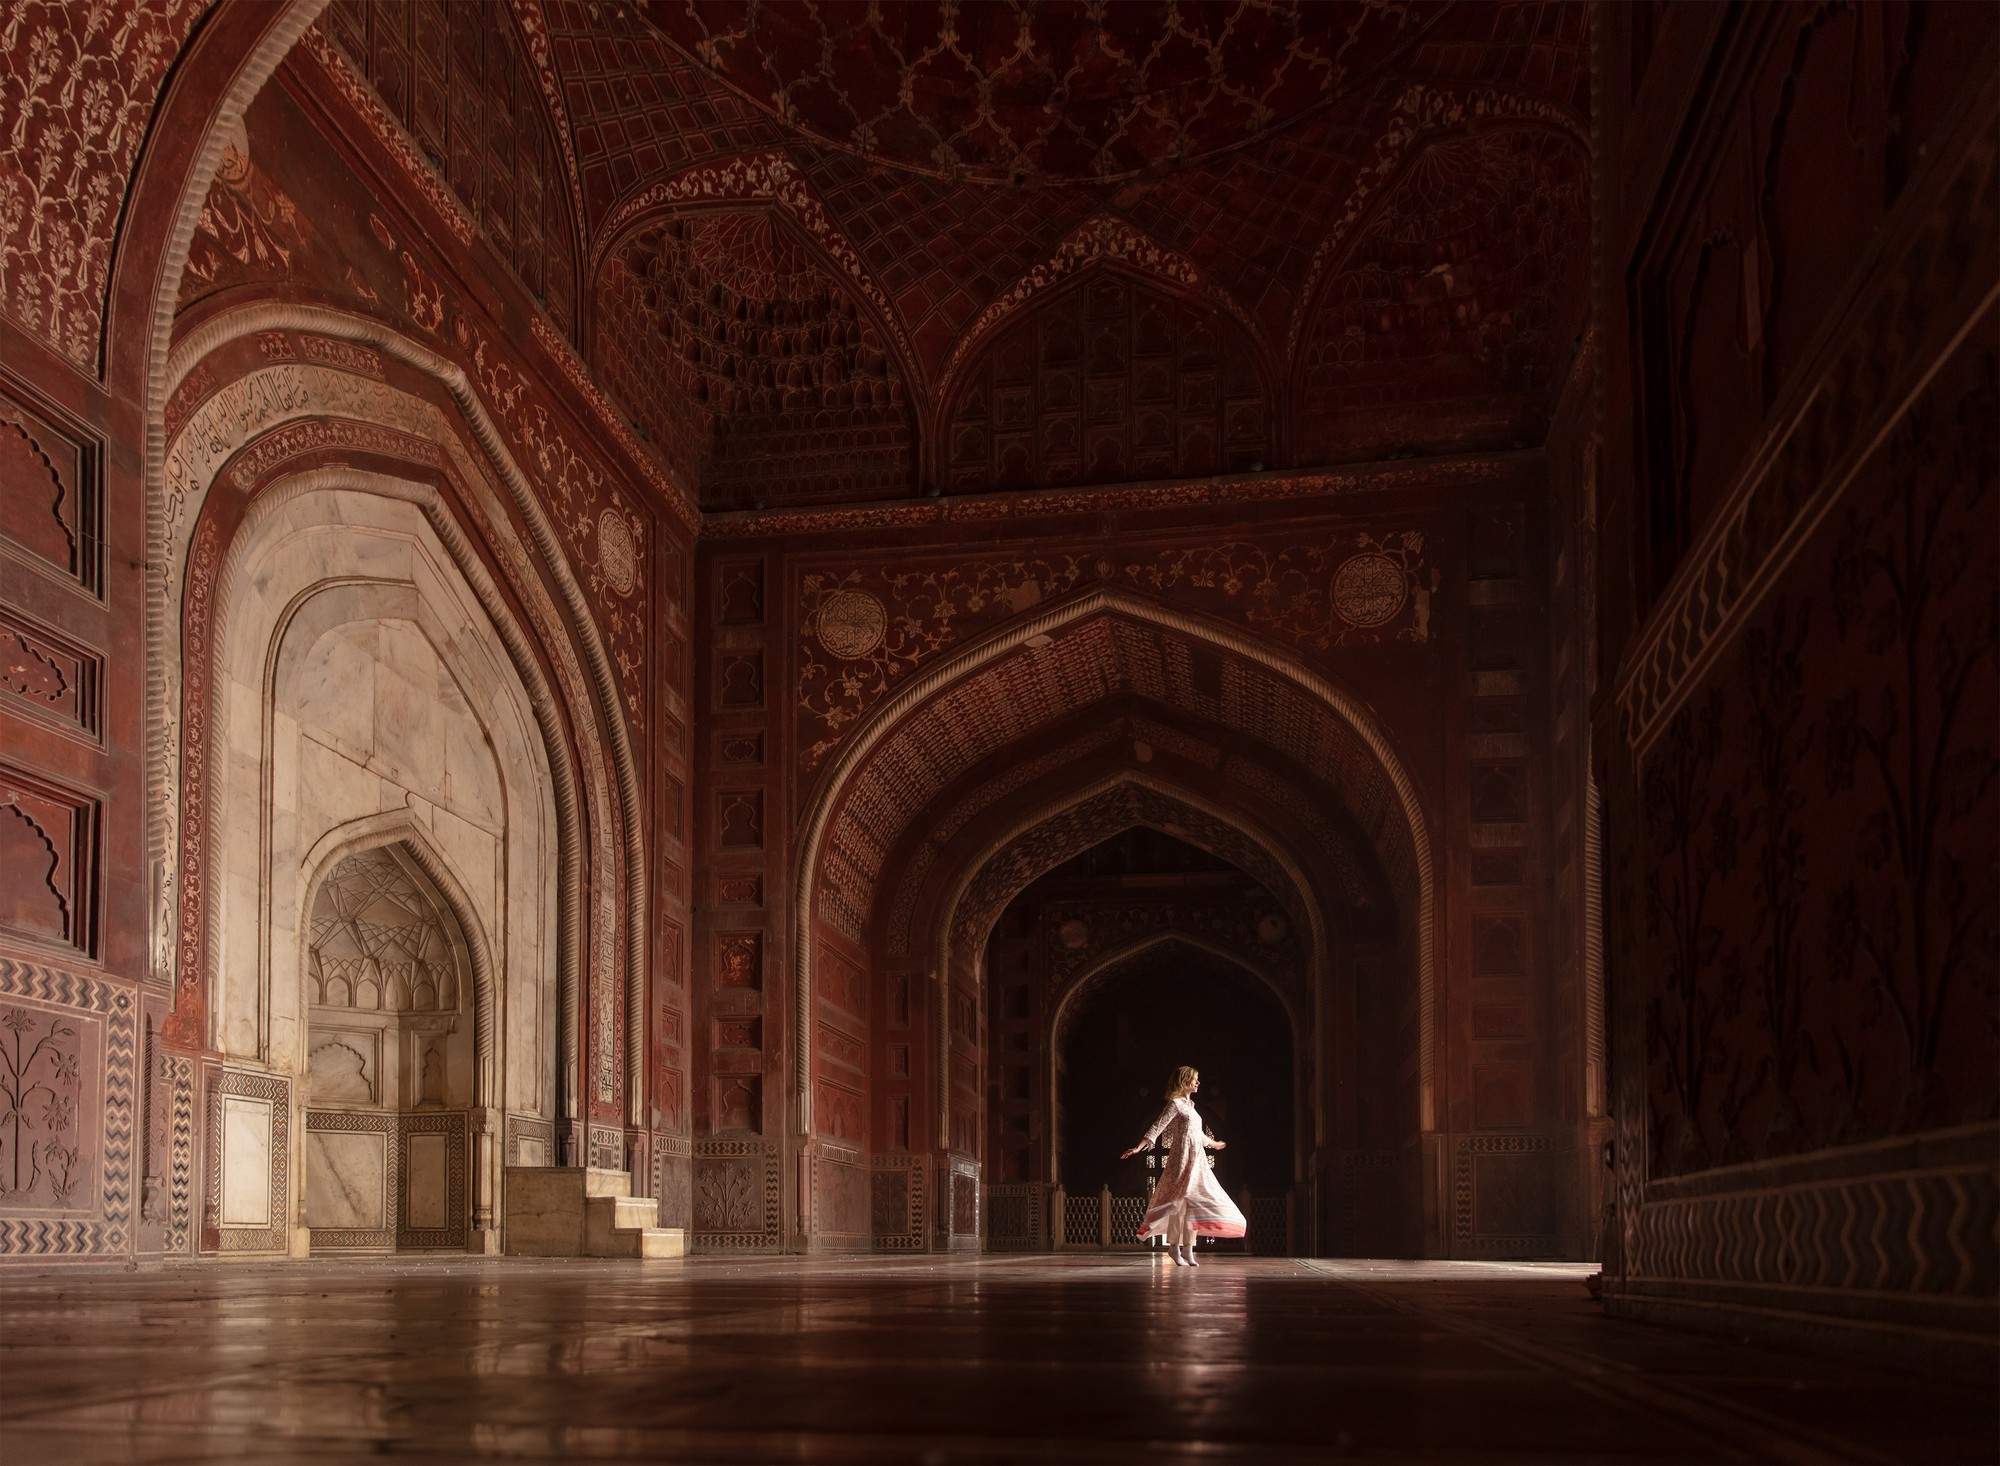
x,y
1375,212
1014,92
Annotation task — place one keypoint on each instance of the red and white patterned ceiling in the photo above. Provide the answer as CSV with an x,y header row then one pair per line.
x,y
836,253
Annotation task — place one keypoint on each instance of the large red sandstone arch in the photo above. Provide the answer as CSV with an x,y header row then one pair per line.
x,y
975,705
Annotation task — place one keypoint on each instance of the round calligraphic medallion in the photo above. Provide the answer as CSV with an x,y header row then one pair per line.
x,y
1073,934
1369,589
850,624
617,552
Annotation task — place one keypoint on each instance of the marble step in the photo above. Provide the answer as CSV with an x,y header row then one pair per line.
x,y
606,1183
622,1226
650,1242
624,1211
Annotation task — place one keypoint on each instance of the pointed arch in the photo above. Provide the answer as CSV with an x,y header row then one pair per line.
x,y
398,828
1100,241
179,488
265,625
960,934
961,930
1081,984
1114,362
1102,964
881,725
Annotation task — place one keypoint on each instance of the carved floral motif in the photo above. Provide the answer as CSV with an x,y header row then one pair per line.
x,y
41,1159
77,88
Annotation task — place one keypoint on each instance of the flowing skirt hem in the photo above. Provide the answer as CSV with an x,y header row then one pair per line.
x,y
1200,1229
1221,1223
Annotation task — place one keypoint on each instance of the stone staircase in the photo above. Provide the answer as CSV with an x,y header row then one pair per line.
x,y
578,1211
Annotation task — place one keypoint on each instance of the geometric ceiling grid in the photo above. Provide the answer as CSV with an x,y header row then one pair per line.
x,y
377,940
1111,380
1022,94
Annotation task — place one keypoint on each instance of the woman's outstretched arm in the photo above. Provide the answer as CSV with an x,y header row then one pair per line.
x,y
1152,1134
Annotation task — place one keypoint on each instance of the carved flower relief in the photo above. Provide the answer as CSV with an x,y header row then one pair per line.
x,y
726,1199
41,1153
246,221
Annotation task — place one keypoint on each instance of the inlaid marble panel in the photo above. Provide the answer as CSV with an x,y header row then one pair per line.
x,y
347,1180
246,1161
426,1160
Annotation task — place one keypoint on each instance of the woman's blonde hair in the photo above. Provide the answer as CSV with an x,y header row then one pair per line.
x,y
1184,1078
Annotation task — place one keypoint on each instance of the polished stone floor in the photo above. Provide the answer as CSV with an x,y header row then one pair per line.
x,y
1061,1359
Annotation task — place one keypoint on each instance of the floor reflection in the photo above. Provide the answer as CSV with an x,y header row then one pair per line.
x,y
1086,1357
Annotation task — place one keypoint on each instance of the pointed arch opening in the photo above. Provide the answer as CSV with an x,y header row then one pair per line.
x,y
913,843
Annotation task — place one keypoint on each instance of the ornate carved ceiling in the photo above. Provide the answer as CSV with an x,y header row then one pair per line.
x,y
1229,234
1014,92
754,368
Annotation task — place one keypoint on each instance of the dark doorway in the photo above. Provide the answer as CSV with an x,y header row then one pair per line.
x,y
1174,1004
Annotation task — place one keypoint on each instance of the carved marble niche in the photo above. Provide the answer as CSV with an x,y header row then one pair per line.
x,y
363,694
389,1057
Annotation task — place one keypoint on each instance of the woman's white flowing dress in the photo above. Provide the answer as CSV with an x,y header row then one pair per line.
x,y
1187,1190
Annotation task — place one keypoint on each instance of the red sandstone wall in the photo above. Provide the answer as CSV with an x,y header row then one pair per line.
x,y
1798,587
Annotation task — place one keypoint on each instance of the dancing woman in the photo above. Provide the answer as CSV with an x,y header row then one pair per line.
x,y
1187,1202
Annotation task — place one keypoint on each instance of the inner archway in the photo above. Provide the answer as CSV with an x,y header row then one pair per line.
x,y
976,779
1126,1029
1141,898
389,978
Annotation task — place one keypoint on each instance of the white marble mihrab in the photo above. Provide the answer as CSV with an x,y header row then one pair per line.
x,y
347,1179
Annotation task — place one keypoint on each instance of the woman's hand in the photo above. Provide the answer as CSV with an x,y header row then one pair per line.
x,y
1218,1145
1127,1155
